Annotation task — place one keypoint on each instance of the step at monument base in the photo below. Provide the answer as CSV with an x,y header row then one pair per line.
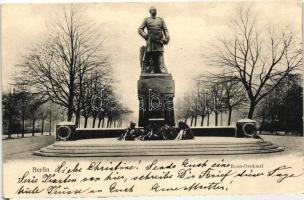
x,y
111,147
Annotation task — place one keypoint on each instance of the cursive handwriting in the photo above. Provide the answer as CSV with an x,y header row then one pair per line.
x,y
62,168
281,174
151,176
98,166
114,188
26,179
155,166
27,190
194,186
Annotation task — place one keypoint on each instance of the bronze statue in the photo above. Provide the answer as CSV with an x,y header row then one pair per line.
x,y
152,58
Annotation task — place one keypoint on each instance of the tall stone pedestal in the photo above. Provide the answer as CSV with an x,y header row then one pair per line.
x,y
155,95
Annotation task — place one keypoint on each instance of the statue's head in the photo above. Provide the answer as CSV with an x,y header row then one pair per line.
x,y
153,11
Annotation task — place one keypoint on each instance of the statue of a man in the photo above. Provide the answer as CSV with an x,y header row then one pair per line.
x,y
156,37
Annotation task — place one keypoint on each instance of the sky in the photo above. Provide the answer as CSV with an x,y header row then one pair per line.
x,y
193,27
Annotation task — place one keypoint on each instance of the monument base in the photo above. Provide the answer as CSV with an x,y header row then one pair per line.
x,y
155,95
90,133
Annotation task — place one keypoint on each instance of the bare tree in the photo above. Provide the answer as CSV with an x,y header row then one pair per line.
x,y
184,106
203,110
283,108
44,113
201,97
263,110
58,66
233,94
10,111
260,59
35,109
217,98
23,102
192,105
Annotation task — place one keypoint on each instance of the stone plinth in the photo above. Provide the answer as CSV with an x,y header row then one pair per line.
x,y
155,95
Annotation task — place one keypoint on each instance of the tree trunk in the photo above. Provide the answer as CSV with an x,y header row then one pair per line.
x,y
42,125
186,119
216,118
99,121
202,121
94,121
251,110
77,120
208,116
70,114
71,92
23,122
50,128
114,123
191,123
86,121
108,122
9,128
272,120
195,120
229,115
33,127
221,118
262,123
103,122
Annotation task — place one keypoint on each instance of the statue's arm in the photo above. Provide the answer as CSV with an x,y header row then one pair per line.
x,y
165,30
141,30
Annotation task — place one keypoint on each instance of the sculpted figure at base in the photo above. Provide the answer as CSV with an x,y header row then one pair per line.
x,y
157,35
